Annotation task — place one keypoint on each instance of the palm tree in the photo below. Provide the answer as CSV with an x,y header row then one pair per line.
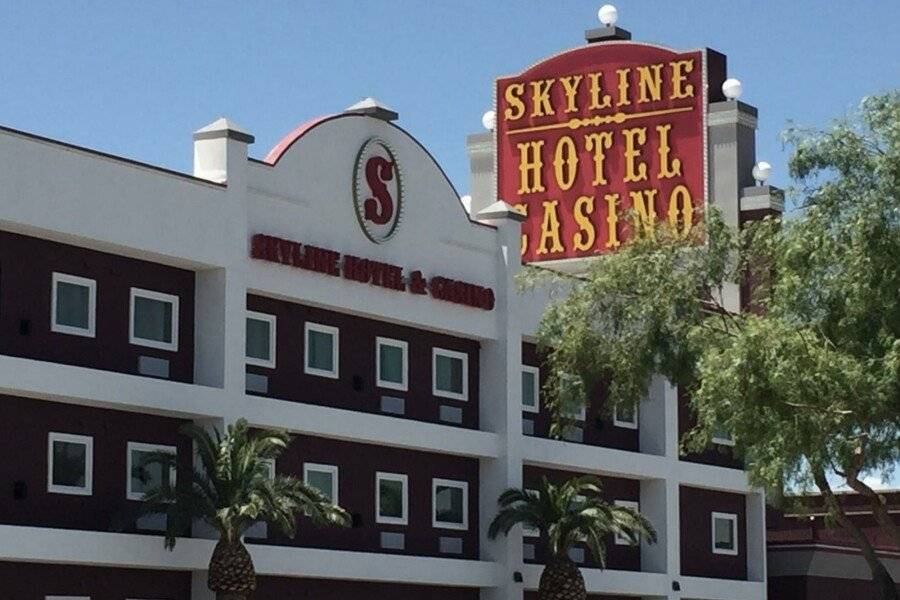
x,y
565,514
231,488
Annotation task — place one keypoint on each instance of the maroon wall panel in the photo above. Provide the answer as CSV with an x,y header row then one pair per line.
x,y
26,268
357,465
287,588
24,425
357,362
820,588
717,455
697,557
598,426
30,581
626,558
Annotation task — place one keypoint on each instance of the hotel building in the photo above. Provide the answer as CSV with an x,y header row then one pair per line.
x,y
338,289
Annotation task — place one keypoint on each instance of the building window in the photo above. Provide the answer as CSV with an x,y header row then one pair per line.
x,y
324,478
391,363
724,533
154,319
450,504
269,464
450,374
260,339
70,460
531,385
626,416
321,350
527,530
74,305
144,475
722,436
391,501
623,540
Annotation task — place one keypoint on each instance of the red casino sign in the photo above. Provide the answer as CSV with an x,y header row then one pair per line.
x,y
596,141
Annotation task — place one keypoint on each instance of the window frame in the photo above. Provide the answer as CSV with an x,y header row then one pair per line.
x,y
536,371
403,479
145,447
733,518
272,321
528,531
403,386
626,424
450,483
172,299
91,284
332,470
335,333
621,540
72,438
721,441
444,352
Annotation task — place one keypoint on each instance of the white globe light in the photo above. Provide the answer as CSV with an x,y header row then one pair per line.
x,y
608,15
489,120
761,171
732,89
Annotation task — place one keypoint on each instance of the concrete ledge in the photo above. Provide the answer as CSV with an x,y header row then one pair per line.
x,y
106,389
557,454
703,588
91,548
370,428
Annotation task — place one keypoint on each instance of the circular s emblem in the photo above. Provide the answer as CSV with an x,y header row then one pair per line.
x,y
377,190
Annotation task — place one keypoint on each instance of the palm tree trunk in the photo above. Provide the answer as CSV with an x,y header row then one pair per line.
x,y
231,572
885,589
561,580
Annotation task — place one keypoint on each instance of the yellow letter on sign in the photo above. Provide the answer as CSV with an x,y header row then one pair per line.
x,y
565,163
681,196
530,166
644,204
550,230
516,107
584,239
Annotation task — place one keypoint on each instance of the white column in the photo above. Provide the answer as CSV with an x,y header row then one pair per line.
x,y
501,406
756,536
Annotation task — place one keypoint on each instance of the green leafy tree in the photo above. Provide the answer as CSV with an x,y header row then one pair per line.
x,y
230,489
808,379
565,514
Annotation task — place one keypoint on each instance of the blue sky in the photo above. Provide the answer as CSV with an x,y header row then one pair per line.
x,y
135,79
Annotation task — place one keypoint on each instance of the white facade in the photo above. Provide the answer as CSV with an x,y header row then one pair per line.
x,y
205,224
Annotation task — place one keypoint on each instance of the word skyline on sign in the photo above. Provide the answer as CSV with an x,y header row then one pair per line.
x,y
364,270
587,136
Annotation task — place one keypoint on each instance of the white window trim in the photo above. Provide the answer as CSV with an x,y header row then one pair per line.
x,y
142,447
464,396
462,485
527,531
734,523
537,389
626,424
88,441
91,285
271,320
403,386
335,333
160,296
621,540
270,465
332,470
404,479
